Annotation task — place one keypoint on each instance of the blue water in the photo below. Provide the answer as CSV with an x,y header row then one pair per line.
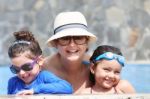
x,y
136,74
5,74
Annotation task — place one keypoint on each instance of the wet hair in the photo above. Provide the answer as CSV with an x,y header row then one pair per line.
x,y
99,51
24,42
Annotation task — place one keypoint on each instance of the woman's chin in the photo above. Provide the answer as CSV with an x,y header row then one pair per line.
x,y
73,58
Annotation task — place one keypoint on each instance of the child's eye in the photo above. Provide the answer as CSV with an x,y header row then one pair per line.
x,y
117,72
107,69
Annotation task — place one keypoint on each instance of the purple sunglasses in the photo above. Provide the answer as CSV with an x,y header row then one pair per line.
x,y
26,67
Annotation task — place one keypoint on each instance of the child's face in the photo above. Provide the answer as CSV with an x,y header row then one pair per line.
x,y
107,73
26,76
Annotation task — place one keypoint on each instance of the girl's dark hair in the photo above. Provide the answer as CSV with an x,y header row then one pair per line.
x,y
24,41
99,51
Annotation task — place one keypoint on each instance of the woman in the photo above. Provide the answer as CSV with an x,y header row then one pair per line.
x,y
72,39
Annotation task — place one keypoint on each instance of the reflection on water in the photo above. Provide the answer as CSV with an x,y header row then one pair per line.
x,y
137,74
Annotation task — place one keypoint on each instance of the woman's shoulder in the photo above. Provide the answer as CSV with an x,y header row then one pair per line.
x,y
51,61
50,58
123,83
53,64
86,57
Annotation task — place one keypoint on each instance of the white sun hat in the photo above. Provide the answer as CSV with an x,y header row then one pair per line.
x,y
70,24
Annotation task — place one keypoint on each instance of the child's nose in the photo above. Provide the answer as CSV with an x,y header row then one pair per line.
x,y
22,72
111,74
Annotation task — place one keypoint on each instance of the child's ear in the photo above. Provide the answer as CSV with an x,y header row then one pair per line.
x,y
40,60
92,68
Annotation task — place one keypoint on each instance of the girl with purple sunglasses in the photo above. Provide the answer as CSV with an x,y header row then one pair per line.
x,y
26,57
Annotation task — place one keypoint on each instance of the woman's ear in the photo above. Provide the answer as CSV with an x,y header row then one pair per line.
x,y
92,68
55,43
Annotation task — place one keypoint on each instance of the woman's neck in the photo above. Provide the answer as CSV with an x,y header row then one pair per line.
x,y
76,73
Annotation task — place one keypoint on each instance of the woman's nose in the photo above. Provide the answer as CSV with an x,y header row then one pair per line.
x,y
72,42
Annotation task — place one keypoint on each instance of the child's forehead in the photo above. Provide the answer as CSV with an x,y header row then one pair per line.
x,y
21,58
26,55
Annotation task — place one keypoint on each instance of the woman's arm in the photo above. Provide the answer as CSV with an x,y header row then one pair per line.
x,y
124,87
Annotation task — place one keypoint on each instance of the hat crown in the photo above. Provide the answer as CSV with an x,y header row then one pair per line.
x,y
65,18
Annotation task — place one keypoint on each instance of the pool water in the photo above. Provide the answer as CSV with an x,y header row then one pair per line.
x,y
5,74
136,74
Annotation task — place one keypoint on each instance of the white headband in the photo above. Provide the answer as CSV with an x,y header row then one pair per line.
x,y
21,42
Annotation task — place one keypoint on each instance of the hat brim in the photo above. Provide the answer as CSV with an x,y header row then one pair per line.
x,y
71,32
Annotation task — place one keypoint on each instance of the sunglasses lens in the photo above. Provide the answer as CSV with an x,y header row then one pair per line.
x,y
77,39
14,69
80,40
27,67
64,41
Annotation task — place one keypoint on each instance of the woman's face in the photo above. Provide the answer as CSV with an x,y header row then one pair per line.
x,y
25,62
107,73
72,48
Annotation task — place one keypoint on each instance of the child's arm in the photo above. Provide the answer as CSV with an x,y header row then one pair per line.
x,y
12,85
124,87
52,84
